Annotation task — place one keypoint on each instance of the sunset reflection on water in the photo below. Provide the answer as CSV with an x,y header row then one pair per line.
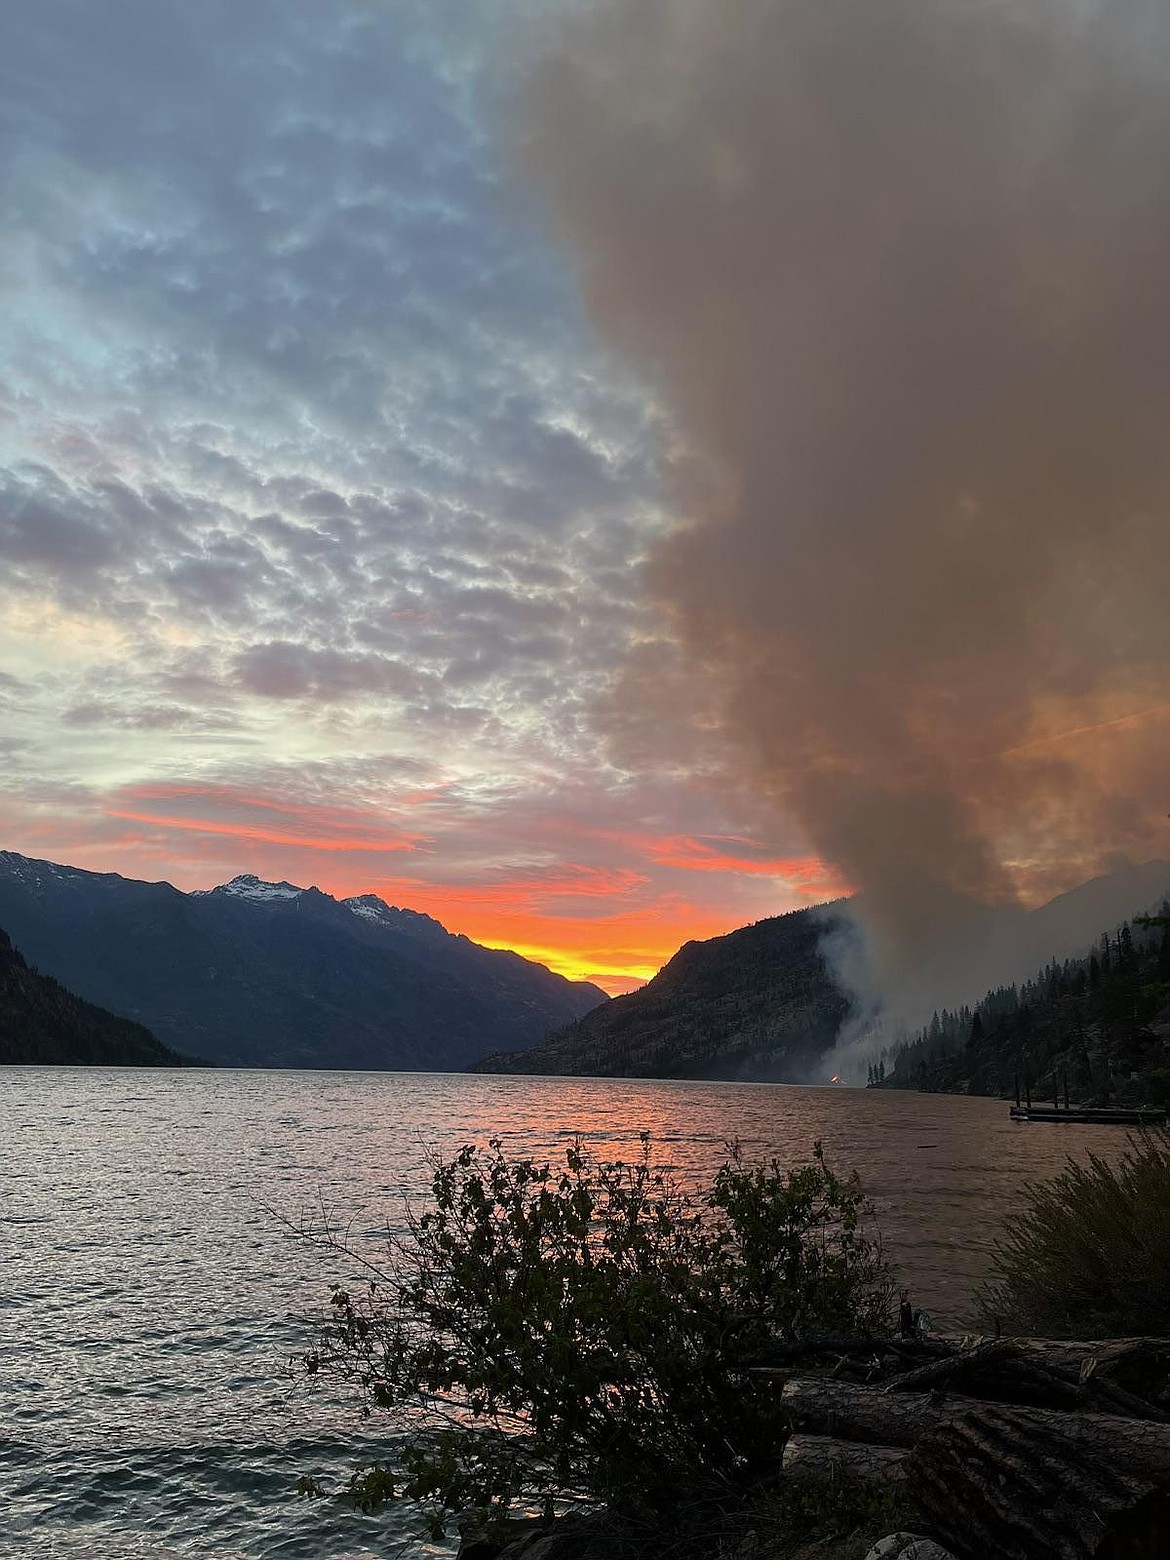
x,y
153,1295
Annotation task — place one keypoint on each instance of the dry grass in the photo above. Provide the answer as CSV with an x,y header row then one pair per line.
x,y
1089,1255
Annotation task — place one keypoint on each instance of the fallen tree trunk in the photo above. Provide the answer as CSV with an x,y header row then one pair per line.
x,y
919,1348
1026,1486
975,1357
1141,1365
1006,1370
822,1456
867,1413
900,1419
1071,1354
1051,1449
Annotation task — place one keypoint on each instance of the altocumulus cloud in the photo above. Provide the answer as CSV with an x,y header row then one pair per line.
x,y
287,374
306,452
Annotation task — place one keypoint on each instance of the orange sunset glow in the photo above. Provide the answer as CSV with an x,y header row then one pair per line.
x,y
592,902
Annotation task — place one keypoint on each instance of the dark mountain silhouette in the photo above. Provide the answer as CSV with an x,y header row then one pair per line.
x,y
761,1002
269,974
758,1002
42,1024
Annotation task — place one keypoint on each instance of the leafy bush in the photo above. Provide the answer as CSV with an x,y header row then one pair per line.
x,y
1089,1256
586,1332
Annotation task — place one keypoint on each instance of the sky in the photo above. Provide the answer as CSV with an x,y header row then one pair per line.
x,y
898,271
324,509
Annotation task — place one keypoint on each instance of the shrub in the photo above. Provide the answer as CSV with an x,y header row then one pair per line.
x,y
806,1516
1089,1256
585,1333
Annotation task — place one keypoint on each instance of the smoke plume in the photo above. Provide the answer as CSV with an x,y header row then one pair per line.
x,y
901,274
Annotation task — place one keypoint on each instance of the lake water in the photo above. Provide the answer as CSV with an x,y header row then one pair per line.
x,y
150,1294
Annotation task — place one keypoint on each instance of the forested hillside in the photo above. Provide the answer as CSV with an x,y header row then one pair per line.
x,y
1102,1022
757,1003
43,1024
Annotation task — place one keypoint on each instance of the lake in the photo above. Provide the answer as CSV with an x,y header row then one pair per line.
x,y
151,1291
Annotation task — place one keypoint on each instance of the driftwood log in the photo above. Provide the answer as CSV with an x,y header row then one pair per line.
x,y
997,1482
857,1413
1051,1450
1123,1376
951,1366
860,1413
1142,1358
1111,1353
823,1456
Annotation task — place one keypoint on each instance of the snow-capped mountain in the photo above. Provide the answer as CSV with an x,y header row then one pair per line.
x,y
370,908
247,886
272,974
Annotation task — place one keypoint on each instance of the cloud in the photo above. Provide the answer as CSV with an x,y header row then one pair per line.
x,y
224,810
283,670
322,511
45,529
806,875
899,274
280,345
11,688
107,714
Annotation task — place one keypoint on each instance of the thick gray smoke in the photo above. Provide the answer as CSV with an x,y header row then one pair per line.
x,y
901,270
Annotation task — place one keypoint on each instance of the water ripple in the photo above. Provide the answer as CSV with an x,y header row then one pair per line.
x,y
151,1295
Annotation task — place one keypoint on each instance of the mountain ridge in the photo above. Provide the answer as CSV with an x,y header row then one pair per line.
x,y
761,1002
260,974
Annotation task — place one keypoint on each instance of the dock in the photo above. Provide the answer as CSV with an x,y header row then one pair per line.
x,y
1103,1115
1095,1115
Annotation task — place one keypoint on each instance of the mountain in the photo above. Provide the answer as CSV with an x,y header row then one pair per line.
x,y
1072,922
1098,1025
274,975
758,1002
1003,945
761,1002
42,1024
